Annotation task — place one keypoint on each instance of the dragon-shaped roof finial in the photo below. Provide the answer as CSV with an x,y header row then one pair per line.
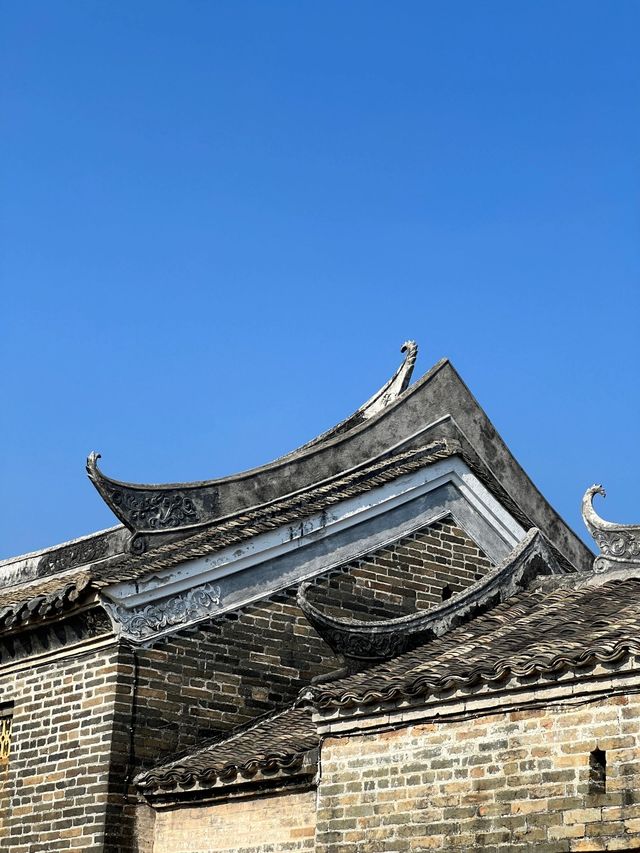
x,y
619,544
398,383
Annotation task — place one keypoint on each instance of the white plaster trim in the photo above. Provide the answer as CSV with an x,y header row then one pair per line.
x,y
266,546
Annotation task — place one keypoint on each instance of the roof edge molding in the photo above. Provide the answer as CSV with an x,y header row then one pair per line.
x,y
148,509
384,639
420,489
399,418
619,544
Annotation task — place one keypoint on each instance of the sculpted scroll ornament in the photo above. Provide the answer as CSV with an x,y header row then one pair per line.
x,y
70,556
367,647
158,511
619,544
180,610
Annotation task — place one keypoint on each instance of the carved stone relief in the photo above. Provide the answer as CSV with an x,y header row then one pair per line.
x,y
619,544
78,554
176,611
157,511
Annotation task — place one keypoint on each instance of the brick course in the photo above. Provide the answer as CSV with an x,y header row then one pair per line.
x,y
284,822
204,681
66,742
505,781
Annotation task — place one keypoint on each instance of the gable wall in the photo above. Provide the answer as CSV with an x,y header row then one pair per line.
x,y
203,681
506,781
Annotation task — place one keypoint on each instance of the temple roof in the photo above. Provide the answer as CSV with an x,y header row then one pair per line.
x,y
399,418
564,623
22,599
290,508
400,430
151,510
557,624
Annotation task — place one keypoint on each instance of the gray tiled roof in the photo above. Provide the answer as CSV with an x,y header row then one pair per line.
x,y
278,743
542,631
19,602
560,624
43,598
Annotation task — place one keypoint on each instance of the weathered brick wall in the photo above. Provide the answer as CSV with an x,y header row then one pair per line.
x,y
416,573
508,781
77,735
206,680
284,822
68,754
144,829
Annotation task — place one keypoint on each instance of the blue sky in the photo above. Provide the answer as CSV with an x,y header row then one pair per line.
x,y
220,220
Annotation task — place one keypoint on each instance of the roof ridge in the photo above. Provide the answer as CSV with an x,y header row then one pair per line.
x,y
268,517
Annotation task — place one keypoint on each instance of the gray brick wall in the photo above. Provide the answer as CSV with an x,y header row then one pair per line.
x,y
65,743
198,683
83,723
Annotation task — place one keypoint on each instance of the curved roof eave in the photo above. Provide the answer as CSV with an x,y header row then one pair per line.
x,y
383,639
396,390
438,405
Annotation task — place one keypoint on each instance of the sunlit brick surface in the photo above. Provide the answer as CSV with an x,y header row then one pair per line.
x,y
509,781
278,823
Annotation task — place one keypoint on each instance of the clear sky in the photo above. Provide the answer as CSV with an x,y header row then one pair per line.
x,y
220,220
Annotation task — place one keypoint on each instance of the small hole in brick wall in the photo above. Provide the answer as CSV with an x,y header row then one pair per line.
x,y
597,771
446,593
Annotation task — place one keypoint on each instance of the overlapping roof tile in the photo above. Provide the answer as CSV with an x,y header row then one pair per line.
x,y
63,587
276,744
561,623
538,632
42,599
